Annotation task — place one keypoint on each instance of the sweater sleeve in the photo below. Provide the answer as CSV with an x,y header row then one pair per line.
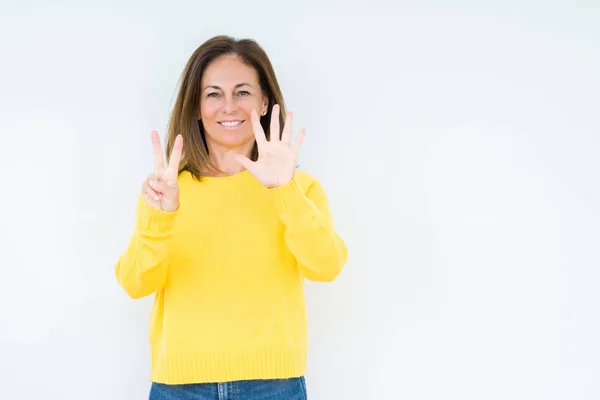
x,y
142,268
309,230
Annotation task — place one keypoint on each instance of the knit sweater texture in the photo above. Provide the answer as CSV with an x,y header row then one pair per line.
x,y
227,272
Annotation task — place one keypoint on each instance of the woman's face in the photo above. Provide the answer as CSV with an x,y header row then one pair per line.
x,y
229,92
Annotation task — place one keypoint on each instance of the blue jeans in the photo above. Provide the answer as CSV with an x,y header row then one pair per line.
x,y
271,389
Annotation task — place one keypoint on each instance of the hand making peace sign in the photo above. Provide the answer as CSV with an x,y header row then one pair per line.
x,y
276,161
160,189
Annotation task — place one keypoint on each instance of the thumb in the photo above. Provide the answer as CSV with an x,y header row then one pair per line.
x,y
243,160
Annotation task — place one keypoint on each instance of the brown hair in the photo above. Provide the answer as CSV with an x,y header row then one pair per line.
x,y
184,116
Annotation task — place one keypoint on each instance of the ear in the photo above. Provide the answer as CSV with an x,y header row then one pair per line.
x,y
265,106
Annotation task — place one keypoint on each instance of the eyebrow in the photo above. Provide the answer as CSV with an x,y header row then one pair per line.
x,y
236,86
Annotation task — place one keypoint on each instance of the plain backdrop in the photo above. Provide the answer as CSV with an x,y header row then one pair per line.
x,y
458,146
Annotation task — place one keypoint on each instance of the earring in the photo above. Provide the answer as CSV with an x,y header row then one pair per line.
x,y
264,113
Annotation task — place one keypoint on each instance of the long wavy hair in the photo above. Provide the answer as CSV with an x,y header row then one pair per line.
x,y
184,116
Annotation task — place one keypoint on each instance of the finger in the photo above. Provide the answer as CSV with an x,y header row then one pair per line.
x,y
151,201
151,193
160,187
159,162
274,129
299,140
259,134
176,153
286,137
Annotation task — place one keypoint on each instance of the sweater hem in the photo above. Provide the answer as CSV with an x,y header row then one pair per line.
x,y
228,366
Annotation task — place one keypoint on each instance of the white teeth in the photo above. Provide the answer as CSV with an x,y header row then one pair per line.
x,y
232,123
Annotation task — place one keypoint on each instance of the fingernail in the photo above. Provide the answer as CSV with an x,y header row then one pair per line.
x,y
152,183
156,197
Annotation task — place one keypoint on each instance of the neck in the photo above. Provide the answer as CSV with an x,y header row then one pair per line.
x,y
220,156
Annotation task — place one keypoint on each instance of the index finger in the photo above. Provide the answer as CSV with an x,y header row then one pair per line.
x,y
176,153
159,162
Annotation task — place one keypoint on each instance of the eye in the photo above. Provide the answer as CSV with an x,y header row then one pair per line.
x,y
244,93
213,95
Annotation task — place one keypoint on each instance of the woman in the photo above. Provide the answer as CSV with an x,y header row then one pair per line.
x,y
225,235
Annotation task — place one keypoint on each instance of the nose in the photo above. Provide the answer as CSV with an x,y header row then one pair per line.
x,y
229,105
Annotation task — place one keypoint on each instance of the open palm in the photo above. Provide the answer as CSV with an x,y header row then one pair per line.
x,y
277,157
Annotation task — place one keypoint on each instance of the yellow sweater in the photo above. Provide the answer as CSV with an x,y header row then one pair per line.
x,y
227,270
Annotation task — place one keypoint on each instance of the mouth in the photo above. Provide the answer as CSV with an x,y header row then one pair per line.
x,y
231,124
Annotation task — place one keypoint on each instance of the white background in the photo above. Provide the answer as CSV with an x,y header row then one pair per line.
x,y
458,146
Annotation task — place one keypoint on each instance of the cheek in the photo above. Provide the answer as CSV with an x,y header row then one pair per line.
x,y
208,111
249,104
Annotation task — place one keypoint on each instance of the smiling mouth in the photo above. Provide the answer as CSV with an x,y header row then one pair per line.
x,y
231,124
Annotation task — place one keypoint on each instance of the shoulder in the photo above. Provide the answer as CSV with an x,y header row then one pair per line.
x,y
306,180
186,177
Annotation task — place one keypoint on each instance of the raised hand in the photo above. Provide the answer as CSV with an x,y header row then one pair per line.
x,y
160,189
277,157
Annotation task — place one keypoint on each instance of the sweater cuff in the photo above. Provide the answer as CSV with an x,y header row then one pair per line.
x,y
289,198
150,219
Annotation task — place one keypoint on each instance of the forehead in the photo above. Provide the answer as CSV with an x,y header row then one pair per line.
x,y
228,71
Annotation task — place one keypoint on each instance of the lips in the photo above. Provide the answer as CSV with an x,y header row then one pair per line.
x,y
231,124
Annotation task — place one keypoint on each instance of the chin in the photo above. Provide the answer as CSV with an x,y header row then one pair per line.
x,y
232,141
